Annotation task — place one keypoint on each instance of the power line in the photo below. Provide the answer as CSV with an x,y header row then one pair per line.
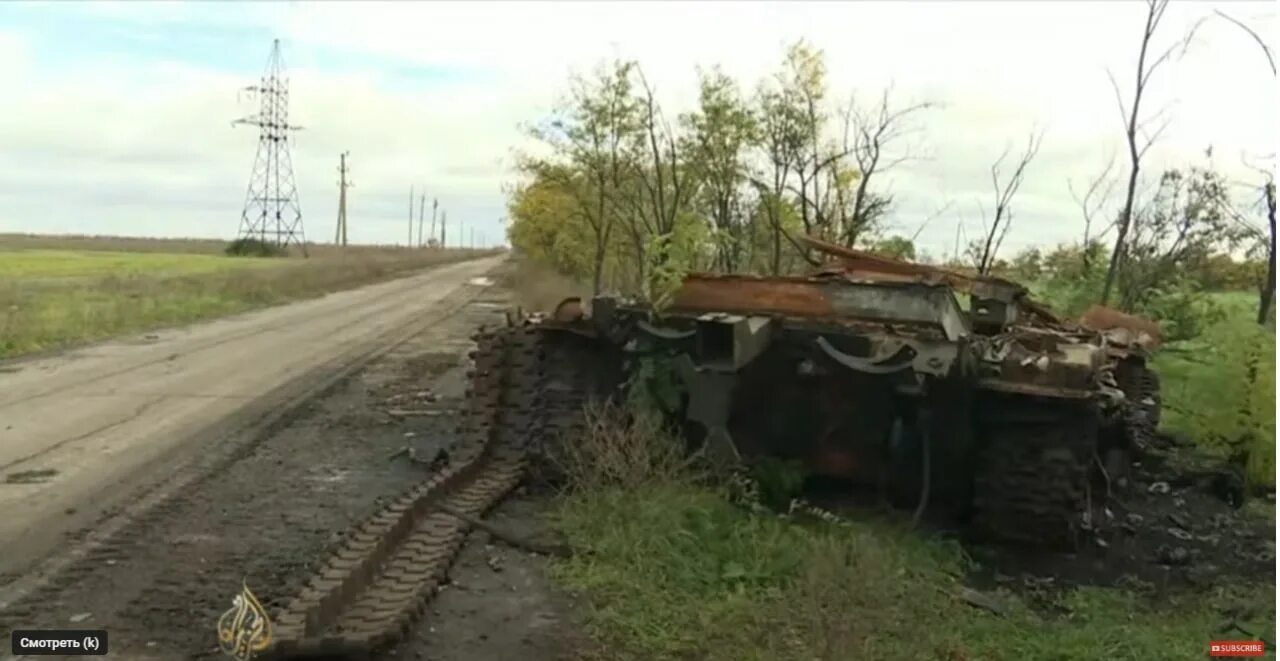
x,y
271,206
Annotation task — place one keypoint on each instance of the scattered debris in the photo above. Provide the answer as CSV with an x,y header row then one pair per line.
x,y
981,600
1158,487
79,617
510,539
437,461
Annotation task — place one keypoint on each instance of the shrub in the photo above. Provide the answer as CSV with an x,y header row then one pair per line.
x,y
251,247
619,450
1183,310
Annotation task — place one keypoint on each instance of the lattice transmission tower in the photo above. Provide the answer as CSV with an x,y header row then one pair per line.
x,y
272,212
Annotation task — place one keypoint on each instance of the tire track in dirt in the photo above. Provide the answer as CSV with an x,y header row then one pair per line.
x,y
263,517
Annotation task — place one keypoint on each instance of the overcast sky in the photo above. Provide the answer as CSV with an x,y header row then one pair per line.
x,y
116,117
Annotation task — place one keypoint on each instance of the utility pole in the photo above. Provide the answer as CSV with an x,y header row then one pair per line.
x,y
340,232
271,206
409,242
422,207
434,203
444,226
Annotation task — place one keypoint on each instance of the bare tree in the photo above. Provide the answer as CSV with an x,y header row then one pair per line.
x,y
1267,292
1091,204
1004,194
1137,133
1266,50
876,133
1264,240
1267,288
664,179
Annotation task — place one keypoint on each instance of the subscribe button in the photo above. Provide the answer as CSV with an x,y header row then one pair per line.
x,y
59,642
1236,648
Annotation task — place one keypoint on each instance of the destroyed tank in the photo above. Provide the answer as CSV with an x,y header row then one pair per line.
x,y
870,371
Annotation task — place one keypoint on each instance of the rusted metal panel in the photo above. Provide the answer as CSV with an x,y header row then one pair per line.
x,y
835,299
1121,328
789,296
874,266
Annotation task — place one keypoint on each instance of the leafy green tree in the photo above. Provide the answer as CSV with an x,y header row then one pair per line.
x,y
719,136
896,247
588,138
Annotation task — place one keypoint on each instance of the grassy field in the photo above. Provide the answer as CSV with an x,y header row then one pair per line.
x,y
1208,393
57,291
671,570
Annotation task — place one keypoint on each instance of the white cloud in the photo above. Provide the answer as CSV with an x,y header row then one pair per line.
x,y
153,144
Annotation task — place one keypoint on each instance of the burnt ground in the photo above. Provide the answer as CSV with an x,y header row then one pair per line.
x,y
275,510
1161,533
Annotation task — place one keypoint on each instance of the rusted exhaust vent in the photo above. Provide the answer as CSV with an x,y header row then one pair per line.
x,y
714,345
727,342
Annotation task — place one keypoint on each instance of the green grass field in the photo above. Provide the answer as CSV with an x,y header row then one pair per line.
x,y
58,291
669,569
44,264
1208,394
673,571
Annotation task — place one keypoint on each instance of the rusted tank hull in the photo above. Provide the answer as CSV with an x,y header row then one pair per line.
x,y
871,371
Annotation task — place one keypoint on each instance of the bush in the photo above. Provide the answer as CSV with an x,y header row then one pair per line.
x,y
251,247
619,450
1183,310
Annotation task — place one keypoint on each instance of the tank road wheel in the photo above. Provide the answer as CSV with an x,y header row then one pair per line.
x,y
1031,482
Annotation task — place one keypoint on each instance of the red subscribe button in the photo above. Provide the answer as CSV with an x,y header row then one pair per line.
x,y
1236,648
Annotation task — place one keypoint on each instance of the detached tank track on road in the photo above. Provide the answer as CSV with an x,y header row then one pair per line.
x,y
379,582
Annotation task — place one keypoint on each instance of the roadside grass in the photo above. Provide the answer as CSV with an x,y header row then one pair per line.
x,y
670,569
1208,394
673,571
51,298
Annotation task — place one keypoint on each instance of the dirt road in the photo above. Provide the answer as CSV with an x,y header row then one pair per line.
x,y
264,494
80,431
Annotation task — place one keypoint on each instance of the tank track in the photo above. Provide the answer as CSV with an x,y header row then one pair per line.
x,y
379,582
576,371
1031,484
1142,407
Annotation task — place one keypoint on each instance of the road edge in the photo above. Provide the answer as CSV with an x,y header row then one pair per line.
x,y
230,438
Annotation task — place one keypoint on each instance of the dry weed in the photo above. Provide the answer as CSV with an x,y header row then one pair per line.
x,y
619,450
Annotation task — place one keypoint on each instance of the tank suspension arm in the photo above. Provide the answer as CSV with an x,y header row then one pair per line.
x,y
664,333
901,360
